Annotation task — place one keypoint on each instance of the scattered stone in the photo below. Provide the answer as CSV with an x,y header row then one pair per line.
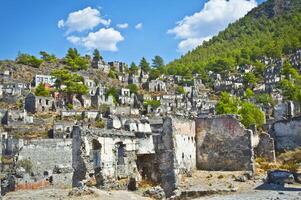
x,y
155,193
241,178
80,192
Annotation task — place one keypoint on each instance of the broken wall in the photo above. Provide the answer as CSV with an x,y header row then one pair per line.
x,y
175,150
287,134
223,143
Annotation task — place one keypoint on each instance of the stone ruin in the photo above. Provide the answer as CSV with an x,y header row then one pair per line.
x,y
163,156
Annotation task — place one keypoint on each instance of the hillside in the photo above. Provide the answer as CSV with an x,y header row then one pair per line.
x,y
272,29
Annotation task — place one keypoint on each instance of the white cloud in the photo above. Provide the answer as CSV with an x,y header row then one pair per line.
x,y
122,26
74,40
105,39
83,20
214,17
61,24
139,26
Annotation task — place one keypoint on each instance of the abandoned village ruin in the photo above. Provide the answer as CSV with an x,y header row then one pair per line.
x,y
158,134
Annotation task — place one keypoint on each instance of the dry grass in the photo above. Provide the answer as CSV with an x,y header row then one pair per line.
x,y
290,160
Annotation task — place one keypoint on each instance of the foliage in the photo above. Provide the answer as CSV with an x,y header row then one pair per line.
x,y
69,106
96,56
251,114
26,164
42,91
262,32
249,79
227,104
180,90
248,93
112,73
74,83
75,61
133,68
264,99
290,91
100,123
144,65
112,91
153,103
133,88
158,62
48,57
30,60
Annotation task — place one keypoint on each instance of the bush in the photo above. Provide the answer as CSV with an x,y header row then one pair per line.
x,y
153,103
180,90
133,88
42,91
100,123
30,60
26,164
69,106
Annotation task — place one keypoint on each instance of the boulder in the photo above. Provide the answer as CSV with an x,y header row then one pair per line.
x,y
280,177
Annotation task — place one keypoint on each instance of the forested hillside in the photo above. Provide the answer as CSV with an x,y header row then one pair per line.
x,y
272,29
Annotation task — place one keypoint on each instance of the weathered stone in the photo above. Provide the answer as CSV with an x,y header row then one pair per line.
x,y
280,177
286,134
155,193
222,143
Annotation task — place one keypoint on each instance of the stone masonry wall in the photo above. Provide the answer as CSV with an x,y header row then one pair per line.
x,y
266,148
287,134
45,154
222,143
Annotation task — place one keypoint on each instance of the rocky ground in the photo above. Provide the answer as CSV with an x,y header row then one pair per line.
x,y
200,185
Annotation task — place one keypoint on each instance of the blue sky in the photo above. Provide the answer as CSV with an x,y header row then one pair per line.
x,y
122,30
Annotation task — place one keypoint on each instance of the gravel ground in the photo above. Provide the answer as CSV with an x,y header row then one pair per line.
x,y
258,195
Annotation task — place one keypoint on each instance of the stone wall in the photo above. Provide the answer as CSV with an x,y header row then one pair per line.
x,y
222,143
286,134
266,148
103,163
45,154
175,150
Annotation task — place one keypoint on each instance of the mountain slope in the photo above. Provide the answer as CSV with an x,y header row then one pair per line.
x,y
272,29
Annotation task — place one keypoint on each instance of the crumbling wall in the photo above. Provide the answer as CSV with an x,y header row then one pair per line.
x,y
45,154
222,143
266,148
175,150
105,163
287,134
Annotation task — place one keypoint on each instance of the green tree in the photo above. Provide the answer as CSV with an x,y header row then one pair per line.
x,y
133,88
41,90
264,99
249,79
249,93
74,83
74,60
158,62
96,56
227,104
133,68
251,114
180,90
144,65
153,103
288,71
30,60
112,91
48,57
154,73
